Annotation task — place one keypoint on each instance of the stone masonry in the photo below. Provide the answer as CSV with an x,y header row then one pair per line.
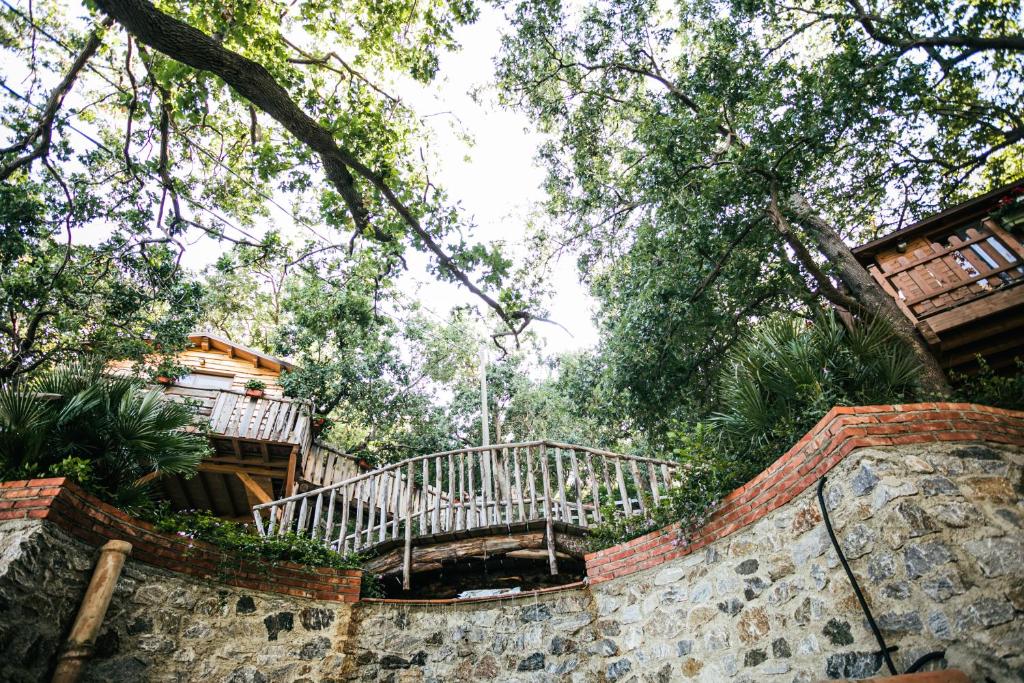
x,y
933,533
931,524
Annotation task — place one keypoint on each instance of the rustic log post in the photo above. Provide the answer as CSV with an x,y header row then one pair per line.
x,y
81,642
407,557
549,524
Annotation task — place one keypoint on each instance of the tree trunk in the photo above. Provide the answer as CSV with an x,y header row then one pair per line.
x,y
869,294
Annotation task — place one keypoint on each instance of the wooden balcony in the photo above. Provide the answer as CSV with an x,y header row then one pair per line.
x,y
260,447
959,277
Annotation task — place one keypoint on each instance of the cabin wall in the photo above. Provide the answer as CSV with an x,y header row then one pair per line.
x,y
219,362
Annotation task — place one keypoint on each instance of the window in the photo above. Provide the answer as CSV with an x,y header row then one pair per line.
x,y
201,380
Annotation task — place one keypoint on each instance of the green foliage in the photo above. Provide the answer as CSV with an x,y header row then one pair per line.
x,y
114,297
256,384
709,473
105,432
244,545
991,389
778,381
786,374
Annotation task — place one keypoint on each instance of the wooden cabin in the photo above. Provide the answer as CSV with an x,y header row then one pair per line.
x,y
264,447
959,277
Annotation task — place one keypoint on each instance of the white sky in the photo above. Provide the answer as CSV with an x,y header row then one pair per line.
x,y
496,180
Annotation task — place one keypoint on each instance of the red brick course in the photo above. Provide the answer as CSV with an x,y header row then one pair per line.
x,y
91,520
841,431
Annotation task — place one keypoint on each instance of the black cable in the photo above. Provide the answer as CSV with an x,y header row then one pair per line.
x,y
853,580
924,659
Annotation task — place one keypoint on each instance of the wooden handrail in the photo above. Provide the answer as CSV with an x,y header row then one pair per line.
x,y
474,488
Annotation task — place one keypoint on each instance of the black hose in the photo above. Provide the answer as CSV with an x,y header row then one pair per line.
x,y
853,580
924,659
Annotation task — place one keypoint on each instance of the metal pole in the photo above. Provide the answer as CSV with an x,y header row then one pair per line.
x,y
485,435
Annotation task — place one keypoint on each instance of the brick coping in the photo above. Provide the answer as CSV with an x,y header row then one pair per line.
x,y
64,503
840,432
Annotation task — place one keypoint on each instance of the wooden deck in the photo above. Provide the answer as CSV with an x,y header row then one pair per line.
x,y
959,277
472,492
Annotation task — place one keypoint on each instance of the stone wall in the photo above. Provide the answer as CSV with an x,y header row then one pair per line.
x,y
182,610
161,625
926,502
933,532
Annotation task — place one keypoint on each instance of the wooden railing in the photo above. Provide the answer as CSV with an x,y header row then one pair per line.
x,y
473,488
945,272
278,420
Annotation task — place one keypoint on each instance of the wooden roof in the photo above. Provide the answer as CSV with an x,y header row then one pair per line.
x,y
971,210
224,344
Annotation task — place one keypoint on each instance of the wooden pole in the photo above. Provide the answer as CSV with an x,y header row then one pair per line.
x,y
407,556
549,523
81,643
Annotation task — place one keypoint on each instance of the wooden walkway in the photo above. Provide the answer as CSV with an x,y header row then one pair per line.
x,y
484,489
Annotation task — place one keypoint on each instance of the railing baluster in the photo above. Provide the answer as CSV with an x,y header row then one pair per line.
x,y
371,510
652,472
519,485
627,504
424,488
356,545
315,531
667,475
273,520
531,477
286,523
450,511
579,488
471,493
506,485
397,501
383,496
258,517
461,513
563,508
484,485
329,523
435,515
346,503
639,485
595,494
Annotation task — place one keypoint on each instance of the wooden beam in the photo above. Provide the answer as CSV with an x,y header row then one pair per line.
x,y
253,489
220,468
289,481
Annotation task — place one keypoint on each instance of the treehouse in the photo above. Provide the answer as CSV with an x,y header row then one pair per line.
x,y
264,444
959,277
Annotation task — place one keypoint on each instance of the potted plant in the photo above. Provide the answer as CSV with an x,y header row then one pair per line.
x,y
255,388
1010,210
167,372
321,423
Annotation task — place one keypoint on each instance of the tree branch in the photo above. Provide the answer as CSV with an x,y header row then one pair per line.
x,y
190,46
42,134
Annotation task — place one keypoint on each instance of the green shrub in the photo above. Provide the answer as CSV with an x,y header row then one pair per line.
x,y
105,432
990,389
243,544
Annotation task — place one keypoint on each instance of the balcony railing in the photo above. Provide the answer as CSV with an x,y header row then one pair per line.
x,y
953,270
473,488
274,420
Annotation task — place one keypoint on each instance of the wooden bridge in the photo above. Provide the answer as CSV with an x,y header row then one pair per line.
x,y
487,490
